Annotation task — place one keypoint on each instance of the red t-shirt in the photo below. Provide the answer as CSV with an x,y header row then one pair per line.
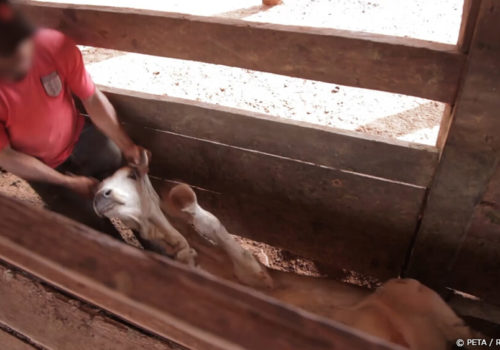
x,y
38,116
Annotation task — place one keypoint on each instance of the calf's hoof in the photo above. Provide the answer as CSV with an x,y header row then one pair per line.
x,y
187,256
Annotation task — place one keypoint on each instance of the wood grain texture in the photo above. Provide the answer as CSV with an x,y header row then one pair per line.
x,y
56,321
469,159
399,161
475,308
321,213
9,342
477,267
401,65
147,288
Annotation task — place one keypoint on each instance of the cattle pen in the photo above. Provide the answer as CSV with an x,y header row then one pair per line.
x,y
378,208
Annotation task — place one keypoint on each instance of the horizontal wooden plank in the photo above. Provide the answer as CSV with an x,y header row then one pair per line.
x,y
56,321
399,161
10,342
315,211
107,273
401,65
478,314
468,306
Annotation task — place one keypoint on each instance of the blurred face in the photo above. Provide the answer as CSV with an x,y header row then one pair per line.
x,y
16,66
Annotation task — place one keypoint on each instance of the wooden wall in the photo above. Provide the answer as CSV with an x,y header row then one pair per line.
x,y
316,206
476,268
55,321
157,294
458,243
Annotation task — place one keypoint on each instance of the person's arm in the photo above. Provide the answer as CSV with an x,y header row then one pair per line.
x,y
103,115
31,169
100,110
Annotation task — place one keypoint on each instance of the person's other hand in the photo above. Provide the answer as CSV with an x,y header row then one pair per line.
x,y
82,185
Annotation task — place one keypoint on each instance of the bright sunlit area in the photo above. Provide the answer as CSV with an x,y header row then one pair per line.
x,y
383,114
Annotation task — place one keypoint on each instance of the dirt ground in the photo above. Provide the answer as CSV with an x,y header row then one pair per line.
x,y
378,113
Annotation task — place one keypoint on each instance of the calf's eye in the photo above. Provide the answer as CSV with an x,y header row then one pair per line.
x,y
132,175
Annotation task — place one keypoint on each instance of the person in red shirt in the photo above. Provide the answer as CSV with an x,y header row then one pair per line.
x,y
43,137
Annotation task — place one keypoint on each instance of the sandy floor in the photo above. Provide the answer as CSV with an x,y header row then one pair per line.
x,y
377,113
423,19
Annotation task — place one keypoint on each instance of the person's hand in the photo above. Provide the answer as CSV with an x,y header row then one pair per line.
x,y
138,157
84,186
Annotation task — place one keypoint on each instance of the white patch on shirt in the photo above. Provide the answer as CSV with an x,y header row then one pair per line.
x,y
52,84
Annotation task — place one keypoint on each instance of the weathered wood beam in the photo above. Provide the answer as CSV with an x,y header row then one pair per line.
x,y
398,161
469,160
10,342
56,321
477,267
170,299
340,218
401,65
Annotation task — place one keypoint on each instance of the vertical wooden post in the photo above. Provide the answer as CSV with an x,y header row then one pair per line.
x,y
470,156
469,17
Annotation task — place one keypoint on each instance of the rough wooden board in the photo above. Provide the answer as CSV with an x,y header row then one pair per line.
x,y
58,322
9,342
469,17
467,306
338,243
469,159
320,213
479,315
477,267
401,65
399,161
444,128
107,273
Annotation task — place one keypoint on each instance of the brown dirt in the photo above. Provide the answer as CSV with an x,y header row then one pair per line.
x,y
14,187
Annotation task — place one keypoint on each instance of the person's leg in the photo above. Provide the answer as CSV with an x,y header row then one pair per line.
x,y
94,156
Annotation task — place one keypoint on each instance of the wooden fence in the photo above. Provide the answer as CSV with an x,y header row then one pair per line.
x,y
375,206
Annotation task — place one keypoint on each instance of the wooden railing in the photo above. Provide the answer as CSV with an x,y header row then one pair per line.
x,y
345,200
183,304
401,65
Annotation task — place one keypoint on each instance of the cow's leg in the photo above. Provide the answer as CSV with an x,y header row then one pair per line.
x,y
181,202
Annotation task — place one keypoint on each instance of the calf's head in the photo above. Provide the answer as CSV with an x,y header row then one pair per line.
x,y
127,194
118,196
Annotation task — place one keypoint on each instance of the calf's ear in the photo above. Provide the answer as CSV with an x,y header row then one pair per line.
x,y
142,168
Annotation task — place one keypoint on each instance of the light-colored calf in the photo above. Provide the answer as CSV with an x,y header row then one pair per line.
x,y
402,311
129,196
